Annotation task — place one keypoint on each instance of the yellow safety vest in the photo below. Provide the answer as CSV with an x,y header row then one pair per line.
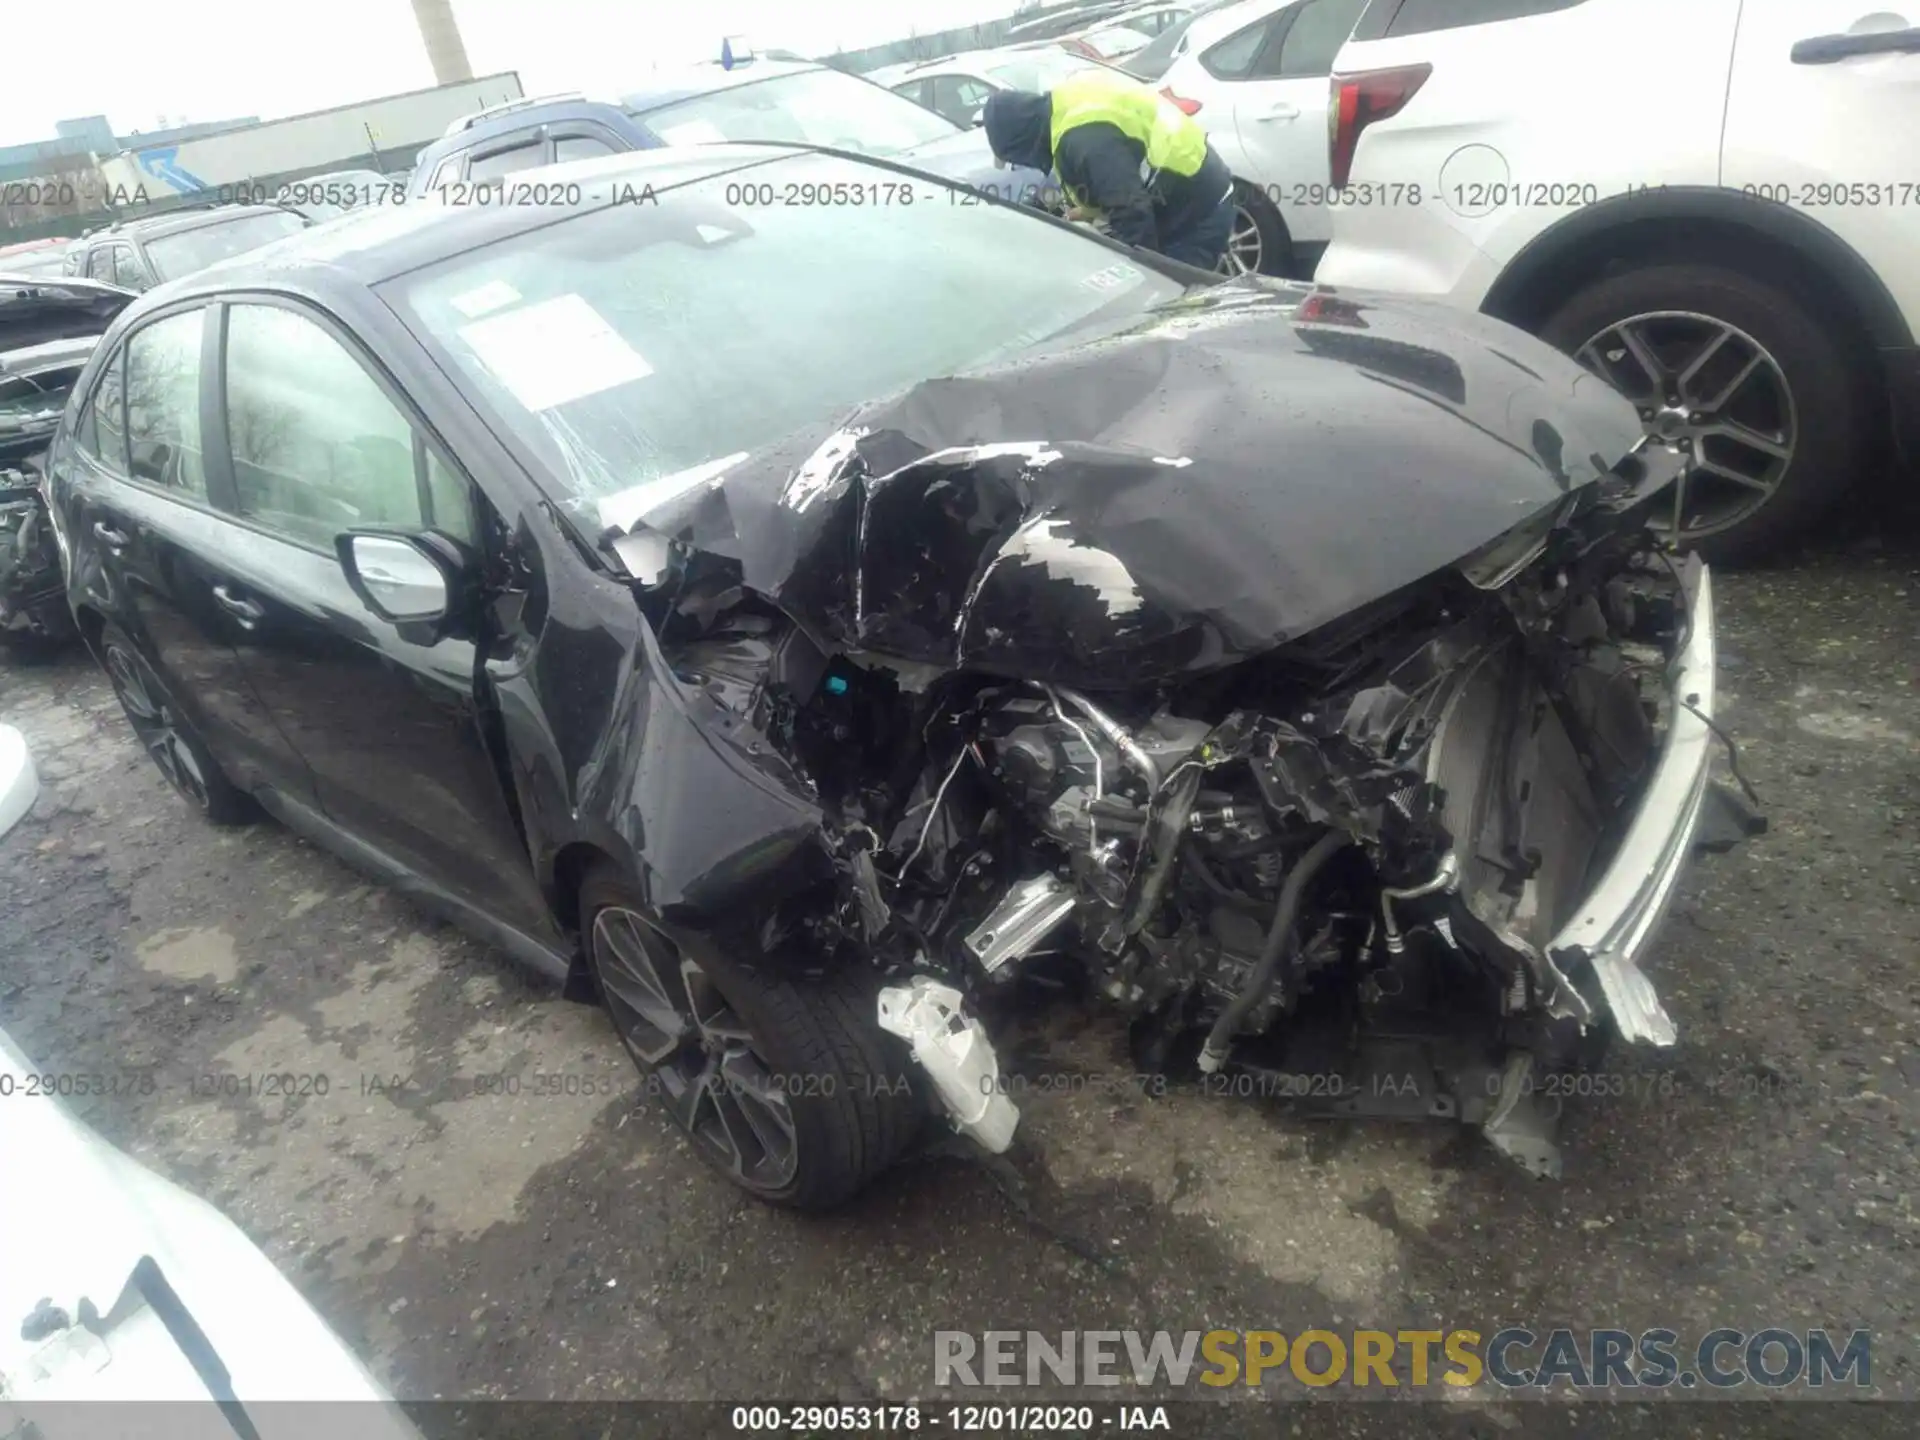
x,y
1173,139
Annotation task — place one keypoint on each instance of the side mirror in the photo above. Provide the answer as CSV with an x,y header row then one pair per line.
x,y
415,581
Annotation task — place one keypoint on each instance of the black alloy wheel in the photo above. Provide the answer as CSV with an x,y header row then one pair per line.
x,y
783,1081
166,735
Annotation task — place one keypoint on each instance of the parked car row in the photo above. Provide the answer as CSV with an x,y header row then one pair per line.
x,y
1030,639
749,99
1739,259
1010,644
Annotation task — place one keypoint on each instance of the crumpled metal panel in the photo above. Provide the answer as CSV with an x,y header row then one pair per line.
x,y
1219,478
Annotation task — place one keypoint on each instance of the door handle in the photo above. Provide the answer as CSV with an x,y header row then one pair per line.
x,y
247,612
111,538
1281,110
1825,49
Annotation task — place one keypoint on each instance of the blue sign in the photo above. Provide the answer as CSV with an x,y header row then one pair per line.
x,y
165,165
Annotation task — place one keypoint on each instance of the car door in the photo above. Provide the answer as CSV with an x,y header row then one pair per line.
x,y
161,555
319,441
1280,110
1823,114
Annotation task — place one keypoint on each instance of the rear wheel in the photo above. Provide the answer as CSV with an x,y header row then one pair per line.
x,y
168,737
785,1084
1767,402
1258,244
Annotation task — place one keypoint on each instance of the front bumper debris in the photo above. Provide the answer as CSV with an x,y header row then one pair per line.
x,y
1617,923
952,1047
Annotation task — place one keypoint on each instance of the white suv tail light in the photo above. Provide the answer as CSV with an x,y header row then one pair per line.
x,y
1360,99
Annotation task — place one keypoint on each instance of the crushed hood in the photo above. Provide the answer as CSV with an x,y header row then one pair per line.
x,y
34,312
1237,469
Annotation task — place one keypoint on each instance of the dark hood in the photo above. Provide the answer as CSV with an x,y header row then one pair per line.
x,y
1237,469
1019,127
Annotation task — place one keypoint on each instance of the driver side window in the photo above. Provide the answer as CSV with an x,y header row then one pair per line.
x,y
317,445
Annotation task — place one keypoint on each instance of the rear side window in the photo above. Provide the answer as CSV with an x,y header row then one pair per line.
x,y
1233,57
1319,29
102,431
497,163
131,269
163,404
1385,18
580,147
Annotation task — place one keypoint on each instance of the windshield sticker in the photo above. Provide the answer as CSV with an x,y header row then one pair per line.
x,y
1111,278
494,295
714,234
694,132
554,352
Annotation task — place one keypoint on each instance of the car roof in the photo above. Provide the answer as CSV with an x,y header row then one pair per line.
x,y
709,77
172,222
369,246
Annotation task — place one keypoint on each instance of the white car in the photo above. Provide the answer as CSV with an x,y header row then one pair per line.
x,y
1730,238
19,781
1110,42
957,86
117,1285
1255,74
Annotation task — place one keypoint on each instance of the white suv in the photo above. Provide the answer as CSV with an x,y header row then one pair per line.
x,y
1710,202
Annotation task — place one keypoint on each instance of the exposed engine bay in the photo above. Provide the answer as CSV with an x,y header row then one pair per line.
x,y
1321,694
1340,865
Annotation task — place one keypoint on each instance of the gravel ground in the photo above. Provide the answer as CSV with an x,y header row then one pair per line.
x,y
559,1242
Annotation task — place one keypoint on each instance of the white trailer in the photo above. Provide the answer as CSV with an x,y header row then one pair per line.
x,y
239,164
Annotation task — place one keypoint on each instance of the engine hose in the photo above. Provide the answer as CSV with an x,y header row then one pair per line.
x,y
1286,913
1223,892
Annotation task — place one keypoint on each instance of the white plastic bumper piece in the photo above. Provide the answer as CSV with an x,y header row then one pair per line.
x,y
952,1047
19,781
1620,918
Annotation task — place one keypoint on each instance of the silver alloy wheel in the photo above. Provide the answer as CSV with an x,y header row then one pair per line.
x,y
1243,245
1713,392
155,726
675,1022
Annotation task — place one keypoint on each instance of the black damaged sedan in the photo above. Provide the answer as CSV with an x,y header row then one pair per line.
x,y
816,630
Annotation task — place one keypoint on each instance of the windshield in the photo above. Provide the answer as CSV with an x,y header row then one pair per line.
x,y
815,107
186,251
641,341
1038,70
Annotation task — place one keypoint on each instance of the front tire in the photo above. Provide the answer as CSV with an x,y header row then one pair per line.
x,y
169,739
784,1083
1770,402
1259,243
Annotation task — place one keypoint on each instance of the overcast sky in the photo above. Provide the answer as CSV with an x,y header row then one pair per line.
x,y
136,61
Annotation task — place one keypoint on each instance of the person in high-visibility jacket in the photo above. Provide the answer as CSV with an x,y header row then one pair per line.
x,y
1126,154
